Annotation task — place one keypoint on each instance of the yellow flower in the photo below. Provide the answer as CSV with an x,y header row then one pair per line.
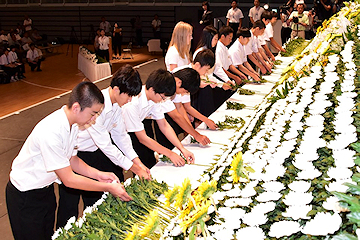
x,y
206,189
186,211
170,195
184,193
152,222
238,169
134,234
195,216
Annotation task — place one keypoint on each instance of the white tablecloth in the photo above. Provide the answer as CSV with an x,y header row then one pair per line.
x,y
92,70
205,155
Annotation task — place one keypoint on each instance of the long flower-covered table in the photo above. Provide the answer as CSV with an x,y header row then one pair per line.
x,y
288,170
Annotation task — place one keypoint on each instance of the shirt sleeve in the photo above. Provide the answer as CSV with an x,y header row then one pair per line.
x,y
172,57
101,137
186,98
168,106
177,98
157,112
241,15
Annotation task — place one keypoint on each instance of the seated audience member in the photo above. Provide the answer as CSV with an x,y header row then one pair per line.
x,y
13,58
222,56
3,37
13,40
11,69
159,86
35,37
238,55
252,49
26,41
299,21
48,156
19,29
33,58
105,145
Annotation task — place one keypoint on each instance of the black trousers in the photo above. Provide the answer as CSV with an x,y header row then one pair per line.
x,y
235,27
69,197
161,138
117,43
31,213
204,101
33,65
285,34
145,154
104,54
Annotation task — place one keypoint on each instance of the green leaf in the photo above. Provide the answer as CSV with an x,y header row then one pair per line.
x,y
354,217
344,236
356,146
357,160
354,189
192,233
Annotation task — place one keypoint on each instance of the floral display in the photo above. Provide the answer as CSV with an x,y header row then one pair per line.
x,y
291,170
90,55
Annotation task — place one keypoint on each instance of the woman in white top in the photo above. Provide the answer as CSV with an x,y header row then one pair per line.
x,y
178,53
103,45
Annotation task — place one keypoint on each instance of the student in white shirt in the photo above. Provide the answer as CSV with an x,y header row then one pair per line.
x,y
104,45
266,17
223,58
95,143
13,58
178,53
252,48
234,17
33,58
255,12
27,23
270,32
159,86
11,69
49,155
187,82
238,55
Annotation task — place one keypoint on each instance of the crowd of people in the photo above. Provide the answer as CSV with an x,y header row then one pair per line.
x,y
18,47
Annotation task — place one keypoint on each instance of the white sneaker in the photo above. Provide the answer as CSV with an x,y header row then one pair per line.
x,y
12,79
16,78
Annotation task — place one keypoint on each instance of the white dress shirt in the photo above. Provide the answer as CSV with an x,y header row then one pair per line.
x,y
49,147
172,57
255,13
234,15
32,54
103,43
138,109
237,53
222,56
4,60
253,45
110,121
12,57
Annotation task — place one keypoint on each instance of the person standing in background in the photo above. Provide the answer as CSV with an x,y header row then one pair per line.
x,y
96,40
106,26
299,20
117,35
234,18
255,12
27,23
138,27
103,45
156,23
206,18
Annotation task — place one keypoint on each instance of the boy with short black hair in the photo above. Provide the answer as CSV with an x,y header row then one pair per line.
x,y
49,155
105,145
253,48
238,55
159,86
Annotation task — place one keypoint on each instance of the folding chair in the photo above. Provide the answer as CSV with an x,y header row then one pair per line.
x,y
126,51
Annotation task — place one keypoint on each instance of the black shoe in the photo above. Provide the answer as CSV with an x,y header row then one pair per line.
x,y
39,70
32,69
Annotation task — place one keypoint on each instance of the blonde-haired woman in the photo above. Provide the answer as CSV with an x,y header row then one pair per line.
x,y
178,53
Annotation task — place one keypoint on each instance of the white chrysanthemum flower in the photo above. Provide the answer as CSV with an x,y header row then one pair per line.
x,y
254,219
297,212
273,186
250,233
69,223
284,228
323,224
297,198
309,174
300,186
268,196
339,173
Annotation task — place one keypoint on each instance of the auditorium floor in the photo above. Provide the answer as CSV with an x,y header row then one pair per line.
x,y
26,102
